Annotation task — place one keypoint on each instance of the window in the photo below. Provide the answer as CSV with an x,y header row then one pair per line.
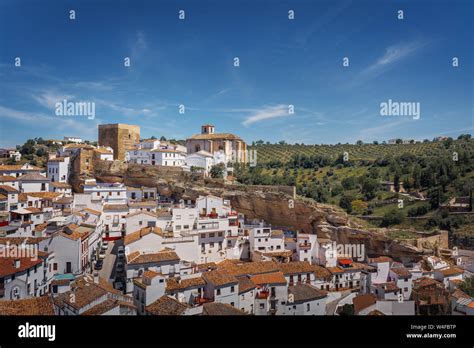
x,y
211,244
218,292
212,235
232,304
262,305
220,234
308,307
232,288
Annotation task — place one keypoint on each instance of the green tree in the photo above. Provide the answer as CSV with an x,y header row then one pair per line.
x,y
392,217
369,188
217,171
345,202
468,286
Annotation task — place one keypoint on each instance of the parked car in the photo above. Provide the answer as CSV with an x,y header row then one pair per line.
x,y
99,264
118,286
119,268
102,255
105,245
121,252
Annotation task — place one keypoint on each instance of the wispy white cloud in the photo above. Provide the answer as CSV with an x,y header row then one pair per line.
x,y
392,55
139,45
268,113
80,127
49,99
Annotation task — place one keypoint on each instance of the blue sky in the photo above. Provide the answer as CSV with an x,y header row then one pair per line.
x,y
282,62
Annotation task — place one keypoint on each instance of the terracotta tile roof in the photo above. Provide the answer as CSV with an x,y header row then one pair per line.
x,y
335,270
44,195
290,240
41,227
3,197
173,284
115,207
284,253
164,150
33,177
219,278
92,211
269,278
61,282
247,268
305,292
144,204
321,272
32,306
245,284
215,136
34,210
61,185
295,267
166,305
203,267
363,301
139,282
401,272
150,274
64,200
9,189
104,151
103,307
137,235
13,167
7,265
451,271
460,294
388,287
7,178
219,308
21,240
161,256
380,259
84,293
425,281
73,232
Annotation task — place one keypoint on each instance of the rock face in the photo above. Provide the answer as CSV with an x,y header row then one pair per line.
x,y
278,208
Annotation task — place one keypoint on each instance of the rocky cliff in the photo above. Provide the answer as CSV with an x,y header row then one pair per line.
x,y
275,207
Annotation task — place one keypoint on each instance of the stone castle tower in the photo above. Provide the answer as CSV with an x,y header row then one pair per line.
x,y
119,137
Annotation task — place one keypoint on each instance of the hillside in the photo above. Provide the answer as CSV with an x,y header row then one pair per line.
x,y
369,152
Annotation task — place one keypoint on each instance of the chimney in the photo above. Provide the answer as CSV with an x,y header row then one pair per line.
x,y
16,263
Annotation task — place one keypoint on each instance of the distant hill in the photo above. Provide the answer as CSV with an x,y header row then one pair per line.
x,y
278,152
